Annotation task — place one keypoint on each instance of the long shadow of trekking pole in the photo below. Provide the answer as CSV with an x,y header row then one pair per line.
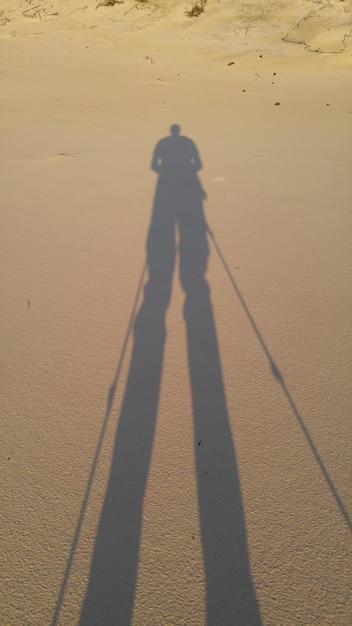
x,y
109,403
277,374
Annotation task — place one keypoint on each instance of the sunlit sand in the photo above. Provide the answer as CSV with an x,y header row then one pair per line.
x,y
176,328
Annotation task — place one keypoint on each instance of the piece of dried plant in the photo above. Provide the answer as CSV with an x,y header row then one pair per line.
x,y
108,3
196,9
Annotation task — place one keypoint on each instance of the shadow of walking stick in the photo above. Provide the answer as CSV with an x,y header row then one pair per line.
x,y
109,403
279,377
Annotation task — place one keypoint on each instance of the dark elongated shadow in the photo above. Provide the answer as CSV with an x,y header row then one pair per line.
x,y
230,595
109,404
279,377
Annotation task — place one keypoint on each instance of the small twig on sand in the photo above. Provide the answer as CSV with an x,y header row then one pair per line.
x,y
38,6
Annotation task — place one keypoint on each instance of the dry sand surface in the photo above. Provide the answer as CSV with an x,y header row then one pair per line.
x,y
176,440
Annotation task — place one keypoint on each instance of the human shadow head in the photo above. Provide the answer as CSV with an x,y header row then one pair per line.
x,y
176,156
175,130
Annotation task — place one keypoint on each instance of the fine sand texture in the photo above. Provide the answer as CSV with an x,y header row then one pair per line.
x,y
176,290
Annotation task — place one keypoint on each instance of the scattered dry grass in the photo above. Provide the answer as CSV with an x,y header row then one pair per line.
x,y
196,9
108,3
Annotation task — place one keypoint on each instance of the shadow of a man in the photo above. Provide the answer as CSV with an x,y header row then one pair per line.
x,y
177,218
178,206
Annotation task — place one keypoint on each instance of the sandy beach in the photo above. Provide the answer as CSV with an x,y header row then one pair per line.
x,y
176,298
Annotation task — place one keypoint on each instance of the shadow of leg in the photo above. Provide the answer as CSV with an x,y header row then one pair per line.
x,y
231,598
111,589
110,594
